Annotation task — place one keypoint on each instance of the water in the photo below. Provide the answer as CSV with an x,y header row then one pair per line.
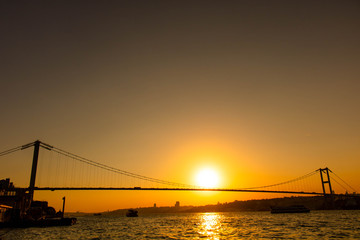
x,y
239,225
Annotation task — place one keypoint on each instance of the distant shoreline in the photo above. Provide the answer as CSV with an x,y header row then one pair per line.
x,y
350,202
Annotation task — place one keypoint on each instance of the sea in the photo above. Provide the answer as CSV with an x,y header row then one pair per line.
x,y
230,225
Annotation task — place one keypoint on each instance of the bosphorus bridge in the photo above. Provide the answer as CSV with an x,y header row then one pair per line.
x,y
57,169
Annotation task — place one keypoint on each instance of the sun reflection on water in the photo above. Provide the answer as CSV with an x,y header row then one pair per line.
x,y
210,225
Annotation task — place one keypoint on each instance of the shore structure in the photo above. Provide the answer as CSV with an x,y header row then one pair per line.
x,y
17,209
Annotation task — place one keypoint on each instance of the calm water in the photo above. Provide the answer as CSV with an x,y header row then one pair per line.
x,y
314,225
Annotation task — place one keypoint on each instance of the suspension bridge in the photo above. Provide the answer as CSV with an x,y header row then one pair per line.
x,y
68,171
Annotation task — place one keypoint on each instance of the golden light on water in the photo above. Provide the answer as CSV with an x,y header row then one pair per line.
x,y
210,224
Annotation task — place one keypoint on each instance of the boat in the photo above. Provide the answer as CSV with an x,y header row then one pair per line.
x,y
132,213
290,209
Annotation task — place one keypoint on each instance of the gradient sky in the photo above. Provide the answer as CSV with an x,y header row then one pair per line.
x,y
263,91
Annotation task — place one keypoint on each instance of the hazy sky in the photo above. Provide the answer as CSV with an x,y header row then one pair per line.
x,y
263,91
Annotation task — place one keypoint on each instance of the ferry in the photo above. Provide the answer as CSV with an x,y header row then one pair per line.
x,y
132,213
290,209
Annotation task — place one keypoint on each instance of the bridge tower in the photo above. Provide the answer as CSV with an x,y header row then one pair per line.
x,y
34,168
325,171
37,144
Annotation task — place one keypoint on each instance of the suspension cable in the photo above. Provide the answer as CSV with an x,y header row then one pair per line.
x,y
293,180
340,184
116,170
10,151
342,181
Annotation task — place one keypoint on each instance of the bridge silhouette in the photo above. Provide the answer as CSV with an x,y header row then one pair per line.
x,y
90,176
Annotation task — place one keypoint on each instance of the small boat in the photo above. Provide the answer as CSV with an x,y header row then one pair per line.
x,y
132,213
290,209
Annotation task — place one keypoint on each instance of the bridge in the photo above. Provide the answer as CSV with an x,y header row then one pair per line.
x,y
79,173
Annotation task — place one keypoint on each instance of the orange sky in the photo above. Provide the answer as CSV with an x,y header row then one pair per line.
x,y
262,91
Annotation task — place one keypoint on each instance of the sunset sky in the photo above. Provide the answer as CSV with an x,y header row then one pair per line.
x,y
259,91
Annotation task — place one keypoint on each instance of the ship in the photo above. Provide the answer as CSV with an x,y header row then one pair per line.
x,y
290,209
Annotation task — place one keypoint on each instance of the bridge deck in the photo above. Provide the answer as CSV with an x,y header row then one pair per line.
x,y
174,189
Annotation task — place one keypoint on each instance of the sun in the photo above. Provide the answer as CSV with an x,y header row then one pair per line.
x,y
207,178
